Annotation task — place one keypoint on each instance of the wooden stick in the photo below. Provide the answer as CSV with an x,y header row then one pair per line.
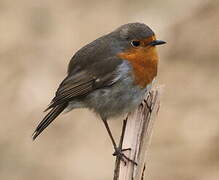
x,y
138,131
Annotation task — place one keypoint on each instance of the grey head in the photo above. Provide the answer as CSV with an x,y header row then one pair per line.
x,y
110,45
122,36
134,31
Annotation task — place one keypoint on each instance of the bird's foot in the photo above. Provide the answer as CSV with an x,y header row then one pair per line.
x,y
119,153
148,106
146,103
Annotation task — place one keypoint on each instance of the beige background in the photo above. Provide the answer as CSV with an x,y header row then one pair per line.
x,y
37,39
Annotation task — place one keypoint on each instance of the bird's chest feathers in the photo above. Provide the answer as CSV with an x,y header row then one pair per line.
x,y
144,62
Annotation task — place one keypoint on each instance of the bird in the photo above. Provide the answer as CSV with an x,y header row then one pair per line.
x,y
109,76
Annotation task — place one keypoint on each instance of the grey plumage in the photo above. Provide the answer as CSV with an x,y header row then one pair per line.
x,y
97,78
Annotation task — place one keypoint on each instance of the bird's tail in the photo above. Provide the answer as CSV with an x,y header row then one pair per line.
x,y
49,118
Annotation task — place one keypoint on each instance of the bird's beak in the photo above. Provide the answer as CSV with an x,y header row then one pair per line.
x,y
156,42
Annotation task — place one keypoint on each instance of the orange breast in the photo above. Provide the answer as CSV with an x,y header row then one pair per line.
x,y
144,61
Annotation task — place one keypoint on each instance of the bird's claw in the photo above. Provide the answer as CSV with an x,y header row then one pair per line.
x,y
148,106
119,153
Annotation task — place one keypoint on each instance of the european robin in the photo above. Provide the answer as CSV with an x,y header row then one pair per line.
x,y
109,76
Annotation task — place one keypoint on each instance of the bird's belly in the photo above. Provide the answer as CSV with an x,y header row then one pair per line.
x,y
116,100
120,98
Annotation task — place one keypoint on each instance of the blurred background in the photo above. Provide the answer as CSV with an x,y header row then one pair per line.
x,y
37,40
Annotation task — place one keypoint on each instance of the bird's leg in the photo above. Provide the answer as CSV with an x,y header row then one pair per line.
x,y
118,149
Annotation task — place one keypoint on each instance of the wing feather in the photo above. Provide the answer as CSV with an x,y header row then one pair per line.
x,y
85,80
82,79
65,94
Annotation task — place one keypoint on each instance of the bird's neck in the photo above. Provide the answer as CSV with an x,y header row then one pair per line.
x,y
144,62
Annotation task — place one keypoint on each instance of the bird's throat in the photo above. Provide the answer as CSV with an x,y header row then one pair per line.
x,y
144,62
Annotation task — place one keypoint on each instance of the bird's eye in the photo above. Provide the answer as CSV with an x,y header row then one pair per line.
x,y
135,43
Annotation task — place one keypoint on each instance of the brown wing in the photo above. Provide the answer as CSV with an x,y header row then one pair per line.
x,y
71,87
78,83
82,82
